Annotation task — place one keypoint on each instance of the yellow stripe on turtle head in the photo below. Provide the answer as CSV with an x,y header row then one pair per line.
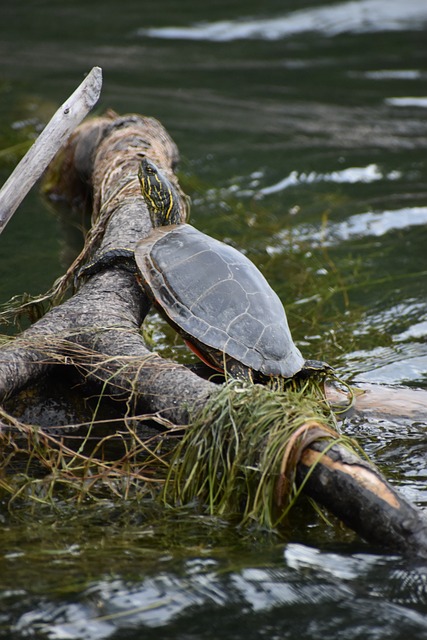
x,y
159,194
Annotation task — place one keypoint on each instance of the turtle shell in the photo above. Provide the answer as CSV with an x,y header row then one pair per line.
x,y
212,293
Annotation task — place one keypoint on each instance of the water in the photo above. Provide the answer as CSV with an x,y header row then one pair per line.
x,y
303,131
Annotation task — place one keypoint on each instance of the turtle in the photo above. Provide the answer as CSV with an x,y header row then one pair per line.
x,y
209,292
220,303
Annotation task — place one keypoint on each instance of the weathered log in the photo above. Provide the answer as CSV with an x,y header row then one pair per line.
x,y
53,136
97,330
355,492
105,315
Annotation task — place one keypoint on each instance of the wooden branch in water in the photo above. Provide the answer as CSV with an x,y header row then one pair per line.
x,y
51,139
381,400
359,496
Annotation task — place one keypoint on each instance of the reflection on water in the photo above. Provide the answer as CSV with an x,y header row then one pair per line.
x,y
352,175
304,138
310,592
364,16
361,225
407,102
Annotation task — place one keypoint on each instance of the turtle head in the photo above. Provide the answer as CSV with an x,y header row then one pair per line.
x,y
159,194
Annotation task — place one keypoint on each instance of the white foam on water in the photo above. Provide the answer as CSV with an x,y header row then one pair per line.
x,y
363,16
351,175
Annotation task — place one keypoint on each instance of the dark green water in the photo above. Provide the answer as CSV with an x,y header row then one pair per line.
x,y
303,133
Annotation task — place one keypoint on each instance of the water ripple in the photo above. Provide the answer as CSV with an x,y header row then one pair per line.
x,y
365,16
409,101
311,587
361,225
351,175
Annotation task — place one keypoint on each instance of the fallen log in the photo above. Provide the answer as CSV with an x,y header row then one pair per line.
x,y
357,493
96,331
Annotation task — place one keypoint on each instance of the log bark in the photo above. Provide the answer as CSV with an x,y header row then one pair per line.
x,y
105,315
359,496
97,331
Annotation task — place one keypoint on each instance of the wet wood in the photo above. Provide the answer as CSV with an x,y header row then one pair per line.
x,y
359,496
384,401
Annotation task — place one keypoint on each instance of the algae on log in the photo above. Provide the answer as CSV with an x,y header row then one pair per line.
x,y
96,331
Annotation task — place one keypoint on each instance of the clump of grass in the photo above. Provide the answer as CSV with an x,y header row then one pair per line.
x,y
239,456
39,466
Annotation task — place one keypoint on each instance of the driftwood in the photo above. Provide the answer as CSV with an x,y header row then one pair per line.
x,y
97,332
53,136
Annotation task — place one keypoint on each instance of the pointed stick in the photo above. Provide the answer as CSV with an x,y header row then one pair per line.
x,y
51,139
